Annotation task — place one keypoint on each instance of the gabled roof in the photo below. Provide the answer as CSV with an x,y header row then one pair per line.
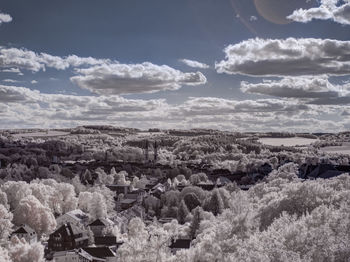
x,y
24,229
80,252
181,243
100,252
101,222
324,171
128,201
76,214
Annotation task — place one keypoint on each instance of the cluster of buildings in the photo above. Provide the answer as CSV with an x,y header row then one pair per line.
x,y
77,238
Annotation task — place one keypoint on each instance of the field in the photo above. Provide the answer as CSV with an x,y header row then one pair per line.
x,y
289,141
344,149
41,134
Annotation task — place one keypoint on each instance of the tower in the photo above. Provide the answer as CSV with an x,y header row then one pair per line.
x,y
155,151
146,150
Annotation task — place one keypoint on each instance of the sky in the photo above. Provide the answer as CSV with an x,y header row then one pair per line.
x,y
239,65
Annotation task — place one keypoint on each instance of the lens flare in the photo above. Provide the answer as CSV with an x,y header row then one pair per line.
x,y
276,11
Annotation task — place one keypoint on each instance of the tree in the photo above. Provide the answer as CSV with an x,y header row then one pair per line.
x,y
191,200
215,205
21,251
182,212
84,201
31,212
5,223
97,206
3,199
15,191
195,222
4,255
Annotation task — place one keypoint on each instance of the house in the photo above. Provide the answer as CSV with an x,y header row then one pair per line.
x,y
322,171
105,240
76,255
127,203
222,181
165,220
179,244
137,194
121,222
26,232
206,186
119,189
99,225
158,190
67,237
75,217
135,211
102,253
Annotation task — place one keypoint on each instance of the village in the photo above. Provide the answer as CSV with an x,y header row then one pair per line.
x,y
91,196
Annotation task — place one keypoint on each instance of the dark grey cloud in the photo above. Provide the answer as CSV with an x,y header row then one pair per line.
x,y
345,100
287,57
14,94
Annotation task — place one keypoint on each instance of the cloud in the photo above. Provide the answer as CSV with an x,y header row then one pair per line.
x,y
287,57
10,81
12,70
253,18
194,64
14,94
212,106
294,87
134,78
32,61
311,90
338,11
102,76
33,82
24,108
5,18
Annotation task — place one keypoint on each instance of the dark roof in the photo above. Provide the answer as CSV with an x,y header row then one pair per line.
x,y
324,171
181,243
128,201
105,240
100,252
24,229
99,222
72,230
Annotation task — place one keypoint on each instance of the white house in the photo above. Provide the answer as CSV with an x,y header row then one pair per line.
x,y
26,232
75,217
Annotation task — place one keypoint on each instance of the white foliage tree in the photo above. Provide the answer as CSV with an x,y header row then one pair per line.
x,y
97,206
21,251
5,223
31,212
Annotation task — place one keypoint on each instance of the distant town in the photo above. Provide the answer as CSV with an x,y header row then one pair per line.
x,y
101,193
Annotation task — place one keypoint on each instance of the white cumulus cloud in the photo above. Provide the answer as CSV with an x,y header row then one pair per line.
x,y
336,10
194,64
5,18
134,78
287,57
